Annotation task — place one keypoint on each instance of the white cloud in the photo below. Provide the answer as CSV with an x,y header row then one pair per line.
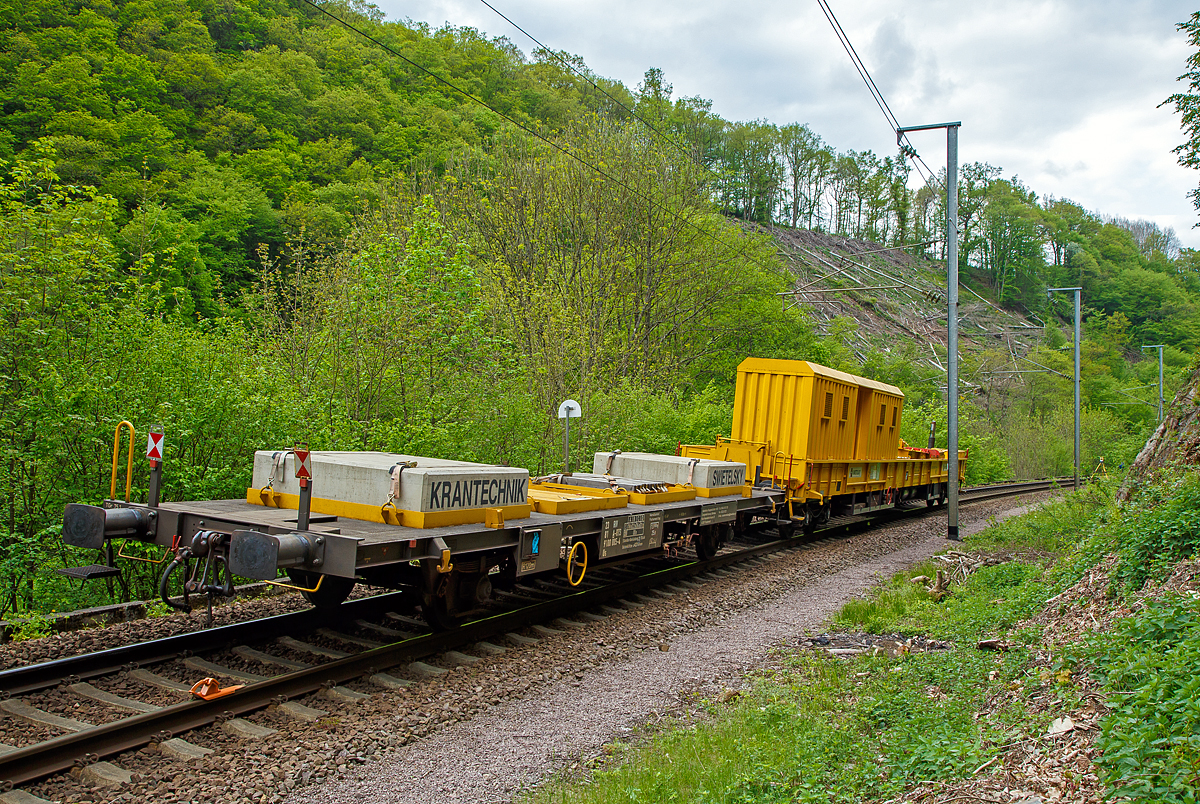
x,y
1062,93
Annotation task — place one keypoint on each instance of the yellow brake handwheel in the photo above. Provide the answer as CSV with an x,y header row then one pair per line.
x,y
582,564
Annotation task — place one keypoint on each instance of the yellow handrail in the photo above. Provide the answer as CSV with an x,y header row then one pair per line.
x,y
112,491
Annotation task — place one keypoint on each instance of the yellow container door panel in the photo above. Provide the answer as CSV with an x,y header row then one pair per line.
x,y
800,422
878,431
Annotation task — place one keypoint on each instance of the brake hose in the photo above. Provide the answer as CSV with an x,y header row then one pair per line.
x,y
179,560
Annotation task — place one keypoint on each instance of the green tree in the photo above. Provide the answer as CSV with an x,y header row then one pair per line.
x,y
1187,103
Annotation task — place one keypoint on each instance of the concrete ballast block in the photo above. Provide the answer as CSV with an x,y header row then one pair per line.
x,y
345,695
182,750
155,680
301,712
86,690
246,730
672,469
388,682
308,647
255,655
21,797
423,669
31,714
458,657
212,669
432,485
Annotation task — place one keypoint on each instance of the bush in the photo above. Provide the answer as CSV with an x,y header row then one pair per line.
x,y
1161,527
1150,741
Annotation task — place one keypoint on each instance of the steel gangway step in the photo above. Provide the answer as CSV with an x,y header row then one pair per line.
x,y
90,572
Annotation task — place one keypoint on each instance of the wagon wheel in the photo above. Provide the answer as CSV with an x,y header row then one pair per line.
x,y
810,521
439,603
707,543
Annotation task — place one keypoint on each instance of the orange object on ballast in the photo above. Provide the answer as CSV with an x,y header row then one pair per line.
x,y
207,689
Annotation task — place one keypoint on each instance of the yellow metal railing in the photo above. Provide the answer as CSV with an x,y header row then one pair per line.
x,y
112,491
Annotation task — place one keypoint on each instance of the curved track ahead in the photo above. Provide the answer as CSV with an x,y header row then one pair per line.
x,y
61,753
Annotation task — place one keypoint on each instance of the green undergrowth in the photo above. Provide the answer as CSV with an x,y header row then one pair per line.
x,y
815,728
1150,740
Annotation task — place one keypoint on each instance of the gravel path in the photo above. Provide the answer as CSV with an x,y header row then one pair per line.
x,y
514,746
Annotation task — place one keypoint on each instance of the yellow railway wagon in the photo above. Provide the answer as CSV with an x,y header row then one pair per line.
x,y
831,439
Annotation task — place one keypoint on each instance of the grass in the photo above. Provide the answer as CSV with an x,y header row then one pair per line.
x,y
886,608
821,729
824,729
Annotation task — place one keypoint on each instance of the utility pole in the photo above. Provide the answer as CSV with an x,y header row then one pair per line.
x,y
1076,291
1159,347
951,313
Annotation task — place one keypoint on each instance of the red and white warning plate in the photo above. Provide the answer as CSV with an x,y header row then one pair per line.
x,y
303,463
154,446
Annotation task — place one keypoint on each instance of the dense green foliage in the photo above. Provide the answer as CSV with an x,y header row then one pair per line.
x,y
414,337
223,129
1161,530
1187,104
252,226
1150,741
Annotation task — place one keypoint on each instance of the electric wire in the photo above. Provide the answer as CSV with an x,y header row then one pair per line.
x,y
844,38
571,155
533,133
838,30
876,94
666,137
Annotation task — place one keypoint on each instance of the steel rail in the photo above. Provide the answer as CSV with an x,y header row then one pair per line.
x,y
30,678
62,753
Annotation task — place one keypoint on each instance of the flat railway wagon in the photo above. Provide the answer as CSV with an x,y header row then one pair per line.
x,y
805,445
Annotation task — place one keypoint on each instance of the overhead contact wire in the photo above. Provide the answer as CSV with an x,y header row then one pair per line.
x,y
873,88
876,95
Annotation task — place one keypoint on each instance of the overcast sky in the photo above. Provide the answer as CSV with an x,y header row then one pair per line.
x,y
1061,93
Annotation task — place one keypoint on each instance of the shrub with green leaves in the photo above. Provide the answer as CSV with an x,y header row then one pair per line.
x,y
1161,527
1150,742
34,627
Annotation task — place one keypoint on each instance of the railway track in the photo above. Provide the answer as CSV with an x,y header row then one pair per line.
x,y
334,658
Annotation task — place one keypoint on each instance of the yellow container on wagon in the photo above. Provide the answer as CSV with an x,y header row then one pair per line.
x,y
805,411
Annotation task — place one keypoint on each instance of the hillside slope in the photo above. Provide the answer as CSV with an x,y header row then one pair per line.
x,y
898,302
1176,442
